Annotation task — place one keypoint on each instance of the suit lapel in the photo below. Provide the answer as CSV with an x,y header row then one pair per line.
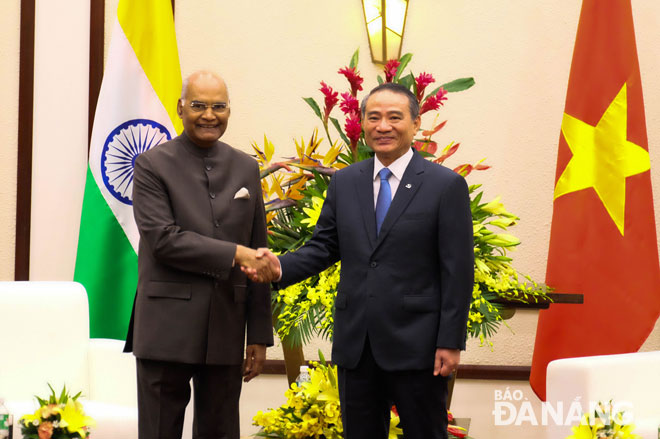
x,y
365,192
408,187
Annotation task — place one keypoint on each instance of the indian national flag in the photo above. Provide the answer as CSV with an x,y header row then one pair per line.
x,y
136,111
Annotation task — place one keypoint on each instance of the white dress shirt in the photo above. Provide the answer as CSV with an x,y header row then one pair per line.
x,y
398,167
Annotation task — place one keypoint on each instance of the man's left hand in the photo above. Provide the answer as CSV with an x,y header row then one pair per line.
x,y
446,361
255,355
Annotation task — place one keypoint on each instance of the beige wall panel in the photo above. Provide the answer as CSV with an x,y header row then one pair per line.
x,y
519,52
9,53
61,72
274,53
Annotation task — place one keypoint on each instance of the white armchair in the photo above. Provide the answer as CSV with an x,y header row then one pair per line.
x,y
44,338
632,380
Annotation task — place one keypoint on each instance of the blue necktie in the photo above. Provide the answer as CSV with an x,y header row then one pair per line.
x,y
384,198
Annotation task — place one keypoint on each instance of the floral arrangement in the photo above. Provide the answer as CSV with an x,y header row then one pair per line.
x,y
294,191
604,423
312,410
453,430
60,417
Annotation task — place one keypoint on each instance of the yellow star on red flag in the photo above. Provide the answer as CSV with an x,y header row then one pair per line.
x,y
602,158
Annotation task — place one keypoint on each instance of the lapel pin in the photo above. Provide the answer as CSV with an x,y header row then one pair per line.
x,y
408,186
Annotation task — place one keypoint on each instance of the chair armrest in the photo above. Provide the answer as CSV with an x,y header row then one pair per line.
x,y
112,373
630,380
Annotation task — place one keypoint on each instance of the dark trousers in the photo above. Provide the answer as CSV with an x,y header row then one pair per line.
x,y
164,393
367,392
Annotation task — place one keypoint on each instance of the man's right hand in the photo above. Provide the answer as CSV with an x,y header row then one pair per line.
x,y
259,265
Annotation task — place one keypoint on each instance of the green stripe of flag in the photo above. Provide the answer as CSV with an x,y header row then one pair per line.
x,y
106,265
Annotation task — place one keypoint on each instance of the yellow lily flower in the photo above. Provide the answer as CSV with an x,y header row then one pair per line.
x,y
395,431
582,431
313,213
503,223
73,418
496,207
481,265
29,419
504,240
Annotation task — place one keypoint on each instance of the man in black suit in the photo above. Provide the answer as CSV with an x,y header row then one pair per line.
x,y
406,274
199,209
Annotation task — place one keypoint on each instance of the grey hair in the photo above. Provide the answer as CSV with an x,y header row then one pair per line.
x,y
413,104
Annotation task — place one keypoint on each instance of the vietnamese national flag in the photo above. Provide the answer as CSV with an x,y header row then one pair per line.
x,y
603,240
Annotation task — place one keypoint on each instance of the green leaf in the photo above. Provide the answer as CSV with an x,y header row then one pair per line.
x,y
335,122
477,198
379,79
458,84
404,60
408,81
425,154
355,58
63,395
321,183
312,103
364,149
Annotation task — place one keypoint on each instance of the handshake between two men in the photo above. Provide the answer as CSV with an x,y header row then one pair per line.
x,y
259,265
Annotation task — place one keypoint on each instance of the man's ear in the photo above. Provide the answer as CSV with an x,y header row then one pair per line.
x,y
418,123
179,108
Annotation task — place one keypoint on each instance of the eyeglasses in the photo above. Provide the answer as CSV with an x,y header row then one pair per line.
x,y
200,107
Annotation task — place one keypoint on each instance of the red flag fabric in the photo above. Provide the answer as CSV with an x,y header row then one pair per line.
x,y
603,240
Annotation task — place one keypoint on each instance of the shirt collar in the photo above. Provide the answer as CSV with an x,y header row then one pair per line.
x,y
398,166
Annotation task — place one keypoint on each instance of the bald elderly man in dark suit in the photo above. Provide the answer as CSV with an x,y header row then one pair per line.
x,y
199,209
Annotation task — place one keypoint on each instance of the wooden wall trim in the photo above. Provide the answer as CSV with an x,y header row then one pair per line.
x,y
465,371
96,52
24,147
484,372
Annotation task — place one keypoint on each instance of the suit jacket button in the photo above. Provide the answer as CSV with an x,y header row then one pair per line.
x,y
212,194
209,167
374,264
216,223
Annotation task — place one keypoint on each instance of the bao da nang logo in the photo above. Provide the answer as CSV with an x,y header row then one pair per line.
x,y
121,148
513,408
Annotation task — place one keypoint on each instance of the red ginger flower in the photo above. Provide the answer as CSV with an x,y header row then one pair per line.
x,y
434,102
353,77
353,129
422,81
390,69
330,99
349,104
